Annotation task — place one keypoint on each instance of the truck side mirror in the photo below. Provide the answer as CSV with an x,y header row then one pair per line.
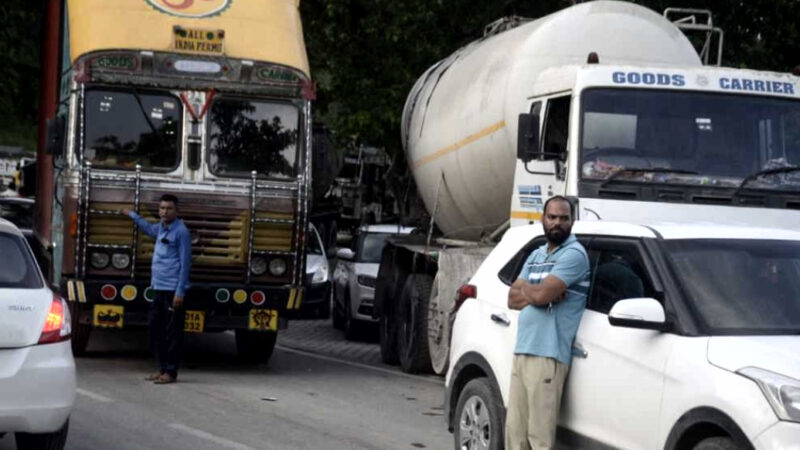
x,y
54,145
528,137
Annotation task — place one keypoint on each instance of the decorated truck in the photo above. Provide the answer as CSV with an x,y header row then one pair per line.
x,y
207,100
605,102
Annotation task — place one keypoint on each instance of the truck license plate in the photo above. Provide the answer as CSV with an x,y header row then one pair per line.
x,y
108,316
195,321
263,320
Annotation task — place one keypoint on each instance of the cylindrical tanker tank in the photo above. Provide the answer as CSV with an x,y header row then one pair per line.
x,y
460,119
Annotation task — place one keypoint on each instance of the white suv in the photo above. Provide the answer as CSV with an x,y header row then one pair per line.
x,y
37,371
690,340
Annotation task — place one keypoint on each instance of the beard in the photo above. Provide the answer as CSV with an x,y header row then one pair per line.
x,y
557,235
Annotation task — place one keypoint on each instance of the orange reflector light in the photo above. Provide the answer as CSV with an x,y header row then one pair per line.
x,y
73,225
239,296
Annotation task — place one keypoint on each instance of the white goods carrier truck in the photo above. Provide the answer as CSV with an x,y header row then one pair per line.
x,y
605,102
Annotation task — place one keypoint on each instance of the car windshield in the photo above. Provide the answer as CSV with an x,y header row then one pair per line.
x,y
247,135
705,139
124,129
741,286
18,213
18,270
313,243
372,247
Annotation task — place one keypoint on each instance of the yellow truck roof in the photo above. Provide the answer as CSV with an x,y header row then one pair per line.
x,y
257,30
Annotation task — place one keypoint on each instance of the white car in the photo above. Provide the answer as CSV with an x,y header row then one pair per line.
x,y
355,275
317,298
690,340
37,370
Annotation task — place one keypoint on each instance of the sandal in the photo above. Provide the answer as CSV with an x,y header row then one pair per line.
x,y
165,378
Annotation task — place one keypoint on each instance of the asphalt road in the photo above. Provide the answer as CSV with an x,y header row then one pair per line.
x,y
300,400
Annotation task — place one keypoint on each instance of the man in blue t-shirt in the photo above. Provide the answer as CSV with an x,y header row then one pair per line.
x,y
172,262
551,296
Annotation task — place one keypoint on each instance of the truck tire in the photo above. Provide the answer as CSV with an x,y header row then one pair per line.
x,y
43,441
388,287
479,417
255,346
413,324
439,330
79,339
718,443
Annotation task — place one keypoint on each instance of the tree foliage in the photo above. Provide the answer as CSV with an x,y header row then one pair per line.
x,y
366,54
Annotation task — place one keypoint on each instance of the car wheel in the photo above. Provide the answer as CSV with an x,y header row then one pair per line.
x,y
255,346
413,324
79,339
336,314
44,441
352,327
480,417
718,443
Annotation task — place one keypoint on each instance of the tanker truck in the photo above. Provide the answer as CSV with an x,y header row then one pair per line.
x,y
607,103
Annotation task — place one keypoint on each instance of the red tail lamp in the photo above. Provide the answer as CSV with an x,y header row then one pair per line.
x,y
54,324
257,298
465,292
108,292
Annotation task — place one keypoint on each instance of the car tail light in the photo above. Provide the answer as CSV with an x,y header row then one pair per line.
x,y
57,325
464,292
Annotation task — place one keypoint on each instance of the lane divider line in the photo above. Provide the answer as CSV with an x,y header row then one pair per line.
x,y
429,378
93,396
209,437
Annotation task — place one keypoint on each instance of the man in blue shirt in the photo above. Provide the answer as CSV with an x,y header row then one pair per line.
x,y
172,261
551,296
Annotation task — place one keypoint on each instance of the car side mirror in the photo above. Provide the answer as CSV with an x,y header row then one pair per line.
x,y
643,313
54,143
345,253
528,137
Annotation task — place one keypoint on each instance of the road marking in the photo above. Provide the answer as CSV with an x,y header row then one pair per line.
x,y
428,378
209,437
93,396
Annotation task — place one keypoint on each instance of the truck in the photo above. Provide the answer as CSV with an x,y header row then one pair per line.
x,y
607,103
207,100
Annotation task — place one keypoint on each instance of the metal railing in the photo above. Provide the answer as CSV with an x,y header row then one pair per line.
x,y
698,20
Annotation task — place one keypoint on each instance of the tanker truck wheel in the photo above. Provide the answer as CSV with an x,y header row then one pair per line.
x,y
79,338
439,309
413,324
390,282
255,346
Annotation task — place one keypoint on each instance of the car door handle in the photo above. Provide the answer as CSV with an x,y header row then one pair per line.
x,y
501,318
579,352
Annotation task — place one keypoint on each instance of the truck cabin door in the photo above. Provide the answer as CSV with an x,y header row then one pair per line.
x,y
544,175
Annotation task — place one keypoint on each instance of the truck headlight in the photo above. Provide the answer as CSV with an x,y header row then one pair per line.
x,y
258,266
277,267
321,275
367,281
99,260
120,260
783,393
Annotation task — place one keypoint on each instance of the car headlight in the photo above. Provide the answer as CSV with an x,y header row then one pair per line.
x,y
321,275
258,266
99,260
783,393
367,281
277,267
120,260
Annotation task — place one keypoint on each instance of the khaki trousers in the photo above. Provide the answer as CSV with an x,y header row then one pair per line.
x,y
533,402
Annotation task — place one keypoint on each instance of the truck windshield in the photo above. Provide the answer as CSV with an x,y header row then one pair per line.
x,y
247,135
124,129
740,285
705,139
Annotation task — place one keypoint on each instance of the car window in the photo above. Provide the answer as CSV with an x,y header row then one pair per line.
x,y
20,214
313,242
17,269
618,272
510,271
371,247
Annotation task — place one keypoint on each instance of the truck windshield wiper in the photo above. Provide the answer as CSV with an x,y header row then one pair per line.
x,y
619,172
761,173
